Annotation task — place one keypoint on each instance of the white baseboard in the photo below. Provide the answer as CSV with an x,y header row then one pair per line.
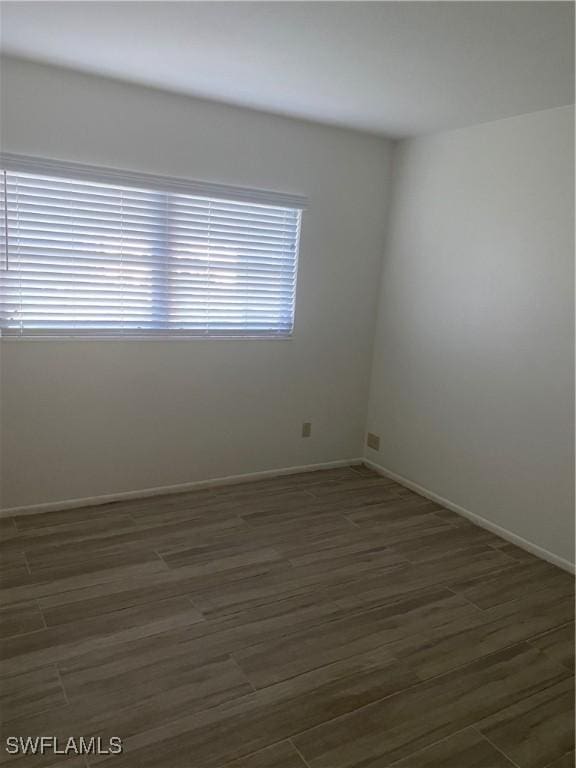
x,y
92,501
504,533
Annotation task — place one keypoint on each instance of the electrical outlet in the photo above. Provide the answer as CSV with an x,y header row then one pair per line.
x,y
306,429
373,441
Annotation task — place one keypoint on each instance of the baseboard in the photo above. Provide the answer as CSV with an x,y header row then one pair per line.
x,y
93,501
504,533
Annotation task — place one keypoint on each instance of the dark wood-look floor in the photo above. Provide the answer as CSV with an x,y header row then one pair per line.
x,y
324,620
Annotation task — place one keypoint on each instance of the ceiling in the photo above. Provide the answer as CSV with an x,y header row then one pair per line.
x,y
392,68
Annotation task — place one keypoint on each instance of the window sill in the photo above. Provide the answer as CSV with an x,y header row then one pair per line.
x,y
142,337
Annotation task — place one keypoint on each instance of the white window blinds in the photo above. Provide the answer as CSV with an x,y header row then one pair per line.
x,y
87,255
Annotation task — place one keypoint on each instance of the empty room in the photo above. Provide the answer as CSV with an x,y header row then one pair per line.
x,y
287,384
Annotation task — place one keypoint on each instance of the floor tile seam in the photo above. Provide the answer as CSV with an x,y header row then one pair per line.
x,y
496,747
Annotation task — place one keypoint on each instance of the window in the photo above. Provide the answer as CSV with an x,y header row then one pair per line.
x,y
99,253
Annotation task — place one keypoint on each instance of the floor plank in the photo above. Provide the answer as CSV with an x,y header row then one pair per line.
x,y
438,649
269,715
558,644
31,692
399,725
19,618
281,755
465,749
536,730
270,662
566,761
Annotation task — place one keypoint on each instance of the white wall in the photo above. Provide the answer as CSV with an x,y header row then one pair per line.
x,y
472,383
87,418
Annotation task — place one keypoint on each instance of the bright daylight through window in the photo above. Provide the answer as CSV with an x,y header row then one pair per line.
x,y
86,257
